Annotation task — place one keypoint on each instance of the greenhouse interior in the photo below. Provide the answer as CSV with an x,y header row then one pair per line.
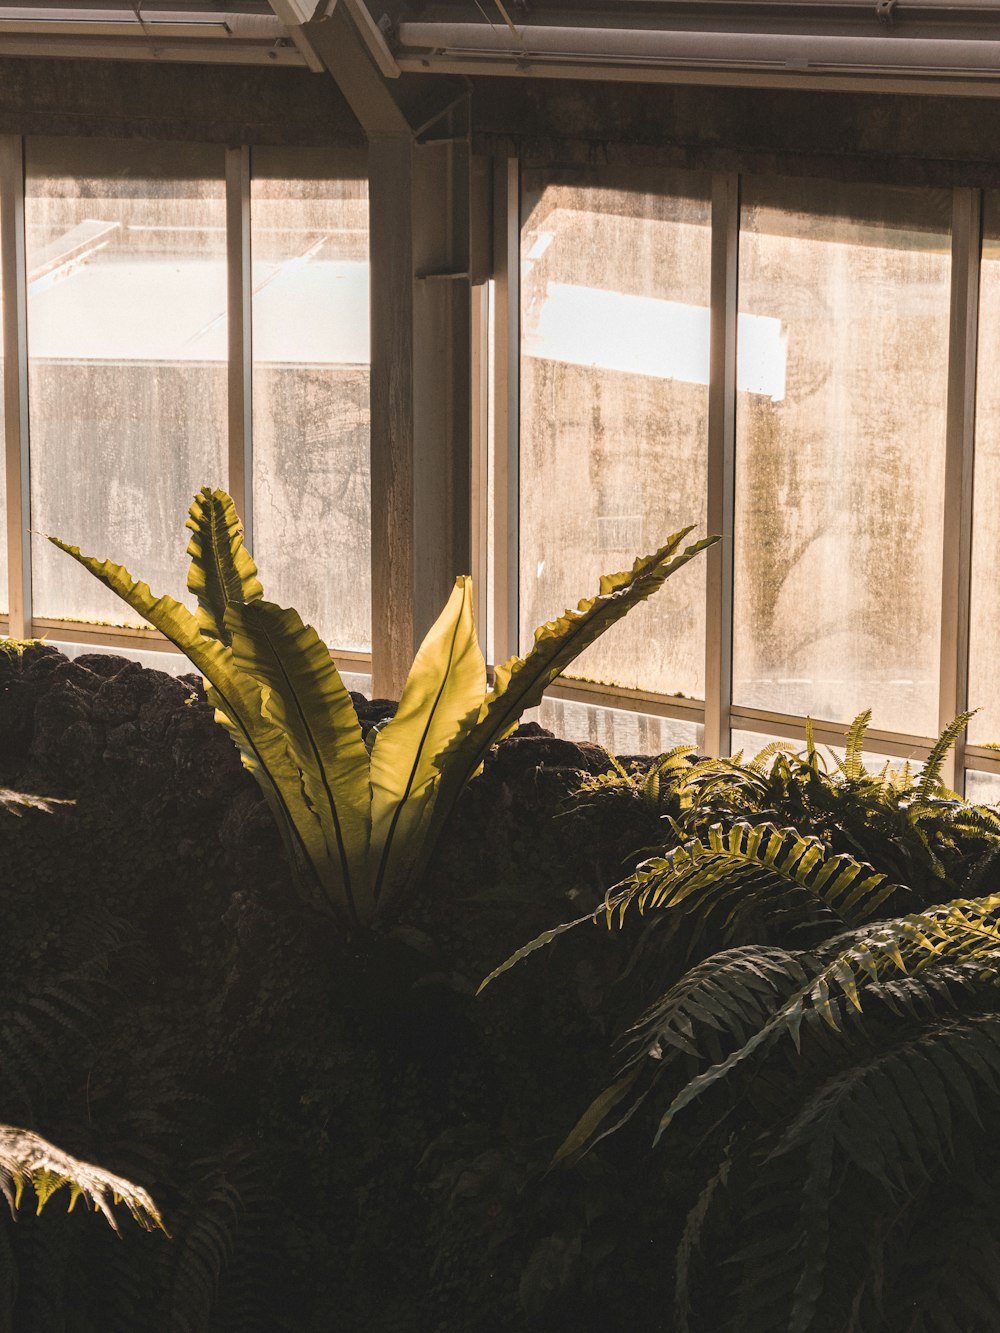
x,y
501,506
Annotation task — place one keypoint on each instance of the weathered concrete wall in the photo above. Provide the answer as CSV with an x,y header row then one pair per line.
x,y
140,100
860,136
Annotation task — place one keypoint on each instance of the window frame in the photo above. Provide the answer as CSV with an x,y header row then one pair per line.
x,y
495,461
20,622
718,714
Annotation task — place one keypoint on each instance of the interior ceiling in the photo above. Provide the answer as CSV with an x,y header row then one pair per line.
x,y
886,45
672,13
777,42
229,32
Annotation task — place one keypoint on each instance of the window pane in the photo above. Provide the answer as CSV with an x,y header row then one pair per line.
x,y
312,489
614,408
750,743
617,730
982,788
127,360
984,625
843,345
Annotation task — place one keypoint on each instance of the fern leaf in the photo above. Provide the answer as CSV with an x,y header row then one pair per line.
x,y
690,1239
26,1159
852,767
914,941
930,778
698,878
16,802
594,1116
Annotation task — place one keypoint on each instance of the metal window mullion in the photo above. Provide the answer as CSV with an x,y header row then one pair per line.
x,y
721,463
966,245
15,348
479,471
506,410
240,347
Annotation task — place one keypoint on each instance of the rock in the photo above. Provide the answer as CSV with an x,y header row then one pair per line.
x,y
23,678
372,711
521,753
104,664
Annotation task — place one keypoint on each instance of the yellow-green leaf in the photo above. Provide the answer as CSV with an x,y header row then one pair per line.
x,y
235,695
520,682
221,571
305,698
442,699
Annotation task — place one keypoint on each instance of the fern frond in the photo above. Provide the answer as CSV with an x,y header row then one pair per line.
x,y
35,1028
690,1242
28,1159
773,748
209,1238
16,802
852,766
721,864
730,993
930,778
893,1114
736,869
963,928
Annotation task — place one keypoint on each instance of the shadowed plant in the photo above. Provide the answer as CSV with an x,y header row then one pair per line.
x,y
824,1061
359,826
26,1159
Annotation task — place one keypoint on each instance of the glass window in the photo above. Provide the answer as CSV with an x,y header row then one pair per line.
x,y
984,626
615,279
126,258
843,346
982,788
311,433
750,743
619,731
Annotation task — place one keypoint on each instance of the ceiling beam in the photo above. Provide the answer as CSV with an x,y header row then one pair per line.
x,y
343,51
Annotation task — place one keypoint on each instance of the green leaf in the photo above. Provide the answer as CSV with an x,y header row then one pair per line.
x,y
598,1110
221,572
305,698
28,1159
442,700
238,702
546,937
852,768
521,681
930,778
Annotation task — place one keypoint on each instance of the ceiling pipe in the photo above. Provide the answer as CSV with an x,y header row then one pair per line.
x,y
246,27
881,50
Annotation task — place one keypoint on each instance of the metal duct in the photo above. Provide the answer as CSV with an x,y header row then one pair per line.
x,y
881,50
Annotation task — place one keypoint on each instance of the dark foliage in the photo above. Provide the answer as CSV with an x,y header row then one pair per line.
x,y
814,1051
339,1138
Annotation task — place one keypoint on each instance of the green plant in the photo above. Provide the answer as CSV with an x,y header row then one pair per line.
x,y
28,1159
359,828
825,1056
